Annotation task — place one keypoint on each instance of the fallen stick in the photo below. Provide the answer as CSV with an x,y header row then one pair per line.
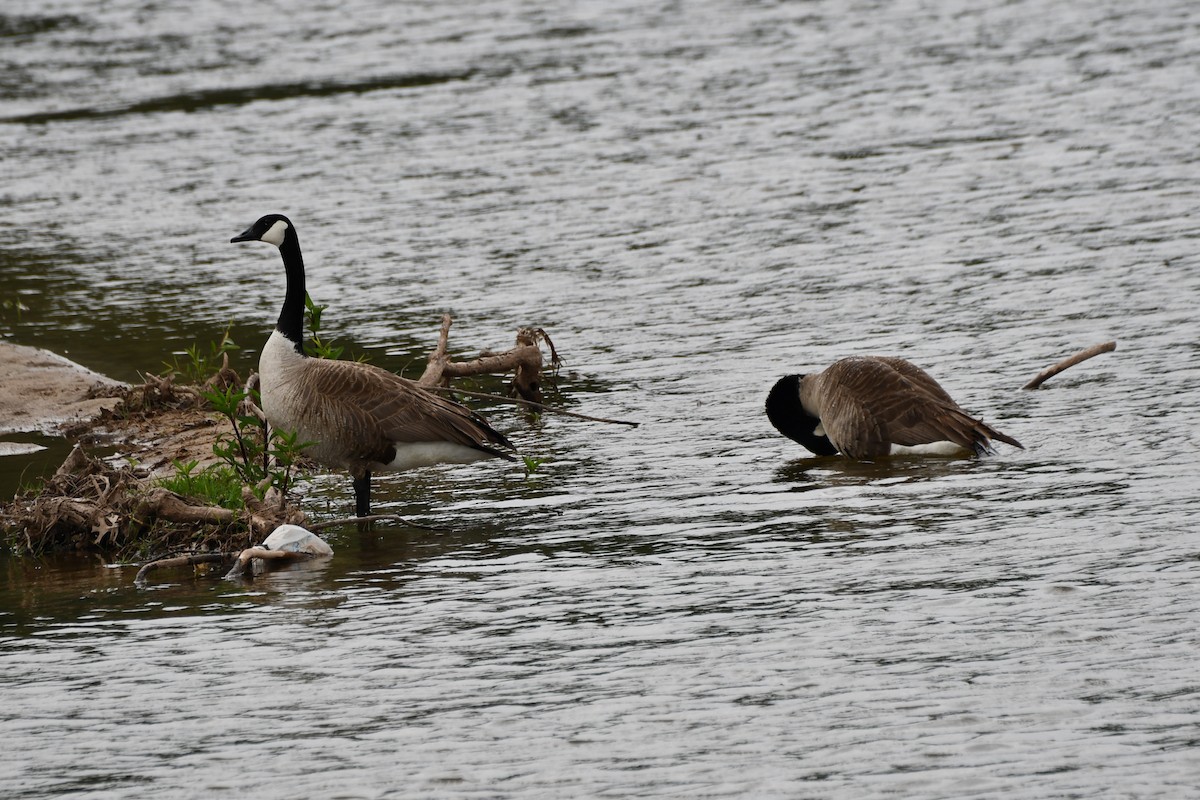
x,y
165,504
531,404
1082,355
242,567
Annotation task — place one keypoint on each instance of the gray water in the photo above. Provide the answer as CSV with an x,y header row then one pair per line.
x,y
693,199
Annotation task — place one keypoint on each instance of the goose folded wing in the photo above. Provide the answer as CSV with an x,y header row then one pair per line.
x,y
381,408
933,421
945,420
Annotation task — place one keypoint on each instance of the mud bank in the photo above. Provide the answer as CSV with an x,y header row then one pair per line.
x,y
42,392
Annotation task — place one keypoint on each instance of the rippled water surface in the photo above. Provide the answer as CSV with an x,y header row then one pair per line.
x,y
693,199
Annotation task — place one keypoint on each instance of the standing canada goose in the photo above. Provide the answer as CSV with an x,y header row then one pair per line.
x,y
363,419
871,406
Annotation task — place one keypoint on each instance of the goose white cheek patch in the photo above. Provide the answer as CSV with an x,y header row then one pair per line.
x,y
274,234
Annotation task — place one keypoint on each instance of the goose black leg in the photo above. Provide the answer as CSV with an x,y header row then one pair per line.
x,y
362,495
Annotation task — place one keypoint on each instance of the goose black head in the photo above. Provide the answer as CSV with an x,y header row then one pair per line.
x,y
272,229
789,417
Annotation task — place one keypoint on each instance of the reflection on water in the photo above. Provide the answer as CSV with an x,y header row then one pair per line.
x,y
821,471
694,200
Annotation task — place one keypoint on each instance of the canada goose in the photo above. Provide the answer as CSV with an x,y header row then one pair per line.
x,y
870,406
362,418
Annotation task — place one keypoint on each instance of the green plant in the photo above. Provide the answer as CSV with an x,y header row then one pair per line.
x,y
531,464
30,485
247,457
216,483
250,454
318,347
259,459
199,366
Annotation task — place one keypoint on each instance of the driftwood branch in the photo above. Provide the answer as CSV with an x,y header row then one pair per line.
x,y
164,504
438,359
524,361
261,517
527,356
1082,355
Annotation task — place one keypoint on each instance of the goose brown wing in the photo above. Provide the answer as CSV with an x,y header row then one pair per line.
x,y
975,433
917,376
846,410
870,404
374,408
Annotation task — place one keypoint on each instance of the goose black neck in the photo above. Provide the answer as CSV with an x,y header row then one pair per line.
x,y
291,317
787,414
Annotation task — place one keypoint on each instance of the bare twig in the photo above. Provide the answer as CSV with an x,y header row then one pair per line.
x,y
532,335
532,404
527,374
1082,355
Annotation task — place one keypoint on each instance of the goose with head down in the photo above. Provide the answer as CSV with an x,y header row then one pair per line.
x,y
361,418
866,407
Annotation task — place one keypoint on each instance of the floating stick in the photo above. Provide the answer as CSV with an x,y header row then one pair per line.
x,y
1082,355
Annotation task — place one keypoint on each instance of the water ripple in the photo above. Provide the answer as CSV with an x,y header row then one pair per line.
x,y
693,201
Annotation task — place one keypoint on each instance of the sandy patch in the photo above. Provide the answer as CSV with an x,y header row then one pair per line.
x,y
42,392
